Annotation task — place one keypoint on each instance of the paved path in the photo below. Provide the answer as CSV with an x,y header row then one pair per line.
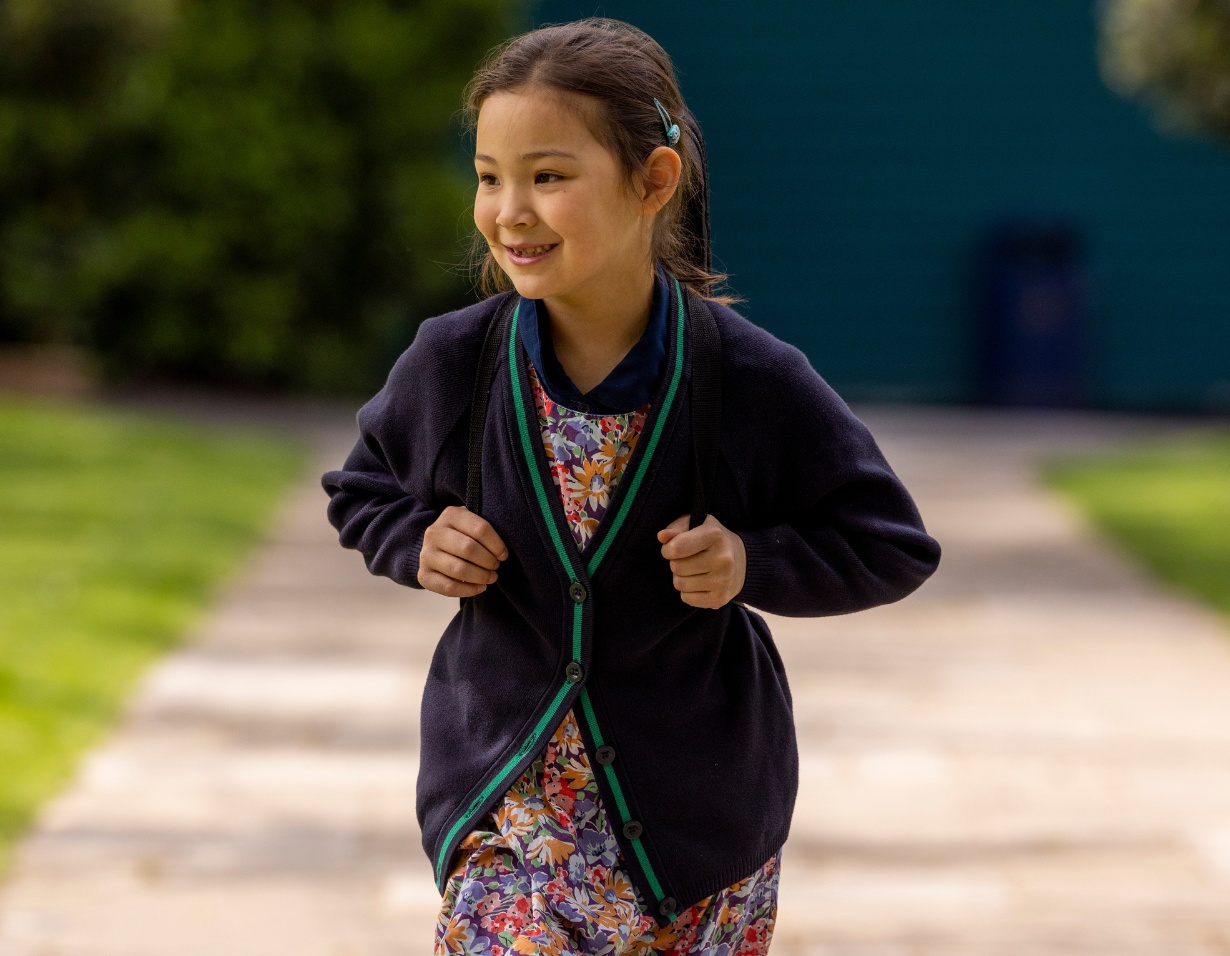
x,y
1029,756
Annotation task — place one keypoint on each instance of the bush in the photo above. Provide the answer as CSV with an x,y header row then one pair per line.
x,y
1174,54
268,192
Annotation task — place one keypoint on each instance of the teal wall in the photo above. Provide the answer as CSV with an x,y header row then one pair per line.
x,y
857,149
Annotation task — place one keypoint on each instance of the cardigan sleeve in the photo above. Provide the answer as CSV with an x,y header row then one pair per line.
x,y
839,532
387,494
375,516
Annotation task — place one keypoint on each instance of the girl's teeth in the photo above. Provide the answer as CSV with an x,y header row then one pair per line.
x,y
536,251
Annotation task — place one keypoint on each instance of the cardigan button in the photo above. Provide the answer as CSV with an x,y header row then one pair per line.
x,y
605,755
633,830
576,591
573,672
668,906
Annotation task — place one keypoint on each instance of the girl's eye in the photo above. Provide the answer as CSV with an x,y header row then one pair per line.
x,y
486,179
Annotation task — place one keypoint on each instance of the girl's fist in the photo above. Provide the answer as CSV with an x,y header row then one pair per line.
x,y
708,562
460,554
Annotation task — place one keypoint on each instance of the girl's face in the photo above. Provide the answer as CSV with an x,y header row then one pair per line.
x,y
552,202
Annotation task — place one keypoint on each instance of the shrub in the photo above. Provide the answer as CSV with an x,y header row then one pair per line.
x,y
267,192
1173,53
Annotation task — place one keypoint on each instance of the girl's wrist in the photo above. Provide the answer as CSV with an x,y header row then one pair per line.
x,y
739,558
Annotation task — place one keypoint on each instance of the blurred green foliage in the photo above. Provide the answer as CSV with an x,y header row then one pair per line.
x,y
1173,53
267,192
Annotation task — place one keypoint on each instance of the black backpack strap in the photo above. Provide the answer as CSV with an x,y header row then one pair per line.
x,y
482,398
706,392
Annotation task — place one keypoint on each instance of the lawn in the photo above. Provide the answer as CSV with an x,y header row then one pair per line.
x,y
1168,503
115,530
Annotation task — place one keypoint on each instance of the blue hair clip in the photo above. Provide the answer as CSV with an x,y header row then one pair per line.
x,y
672,129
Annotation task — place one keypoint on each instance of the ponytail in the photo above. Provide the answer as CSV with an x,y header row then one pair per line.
x,y
698,246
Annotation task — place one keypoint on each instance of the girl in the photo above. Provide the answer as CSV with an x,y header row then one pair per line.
x,y
608,753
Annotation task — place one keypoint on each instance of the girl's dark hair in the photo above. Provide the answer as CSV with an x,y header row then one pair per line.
x,y
621,70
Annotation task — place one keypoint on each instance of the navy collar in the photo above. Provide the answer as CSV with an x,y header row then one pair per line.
x,y
630,385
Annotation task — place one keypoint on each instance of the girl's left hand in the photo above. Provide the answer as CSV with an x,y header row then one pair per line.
x,y
709,562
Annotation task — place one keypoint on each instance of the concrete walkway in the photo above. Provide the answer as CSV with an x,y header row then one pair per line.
x,y
1029,756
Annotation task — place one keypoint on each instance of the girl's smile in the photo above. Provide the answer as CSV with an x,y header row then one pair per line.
x,y
529,255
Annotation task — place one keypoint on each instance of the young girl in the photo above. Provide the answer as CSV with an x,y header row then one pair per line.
x,y
608,752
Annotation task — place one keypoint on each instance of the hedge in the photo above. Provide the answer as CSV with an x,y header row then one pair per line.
x,y
265,192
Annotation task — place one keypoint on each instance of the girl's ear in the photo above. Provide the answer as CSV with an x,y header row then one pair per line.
x,y
660,178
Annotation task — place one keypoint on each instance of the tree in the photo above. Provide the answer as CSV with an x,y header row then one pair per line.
x,y
256,191
1173,53
60,62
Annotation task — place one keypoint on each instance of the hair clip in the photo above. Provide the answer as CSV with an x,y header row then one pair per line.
x,y
672,129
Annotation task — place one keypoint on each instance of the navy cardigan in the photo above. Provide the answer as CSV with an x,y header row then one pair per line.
x,y
685,710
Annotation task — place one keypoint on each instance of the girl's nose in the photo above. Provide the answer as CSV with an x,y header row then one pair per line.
x,y
514,211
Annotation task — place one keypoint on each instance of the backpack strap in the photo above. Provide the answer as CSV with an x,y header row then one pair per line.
x,y
482,398
706,392
705,388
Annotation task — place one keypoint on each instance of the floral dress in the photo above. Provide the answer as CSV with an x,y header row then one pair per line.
x,y
542,873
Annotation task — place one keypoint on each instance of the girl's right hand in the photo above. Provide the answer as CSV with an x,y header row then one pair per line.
x,y
460,554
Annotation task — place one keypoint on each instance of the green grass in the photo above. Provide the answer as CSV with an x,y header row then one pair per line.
x,y
114,532
1168,503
